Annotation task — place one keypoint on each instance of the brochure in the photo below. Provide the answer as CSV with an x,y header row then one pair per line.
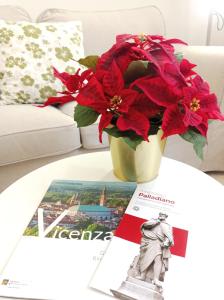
x,y
65,240
148,249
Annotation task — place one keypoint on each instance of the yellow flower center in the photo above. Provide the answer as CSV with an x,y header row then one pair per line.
x,y
195,104
115,102
142,37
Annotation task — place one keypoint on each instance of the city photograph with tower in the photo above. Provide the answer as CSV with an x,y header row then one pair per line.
x,y
81,210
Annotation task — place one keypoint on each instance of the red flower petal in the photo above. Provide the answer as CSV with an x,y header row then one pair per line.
x,y
86,75
173,122
157,90
158,57
61,76
186,68
203,128
200,84
174,77
136,122
121,38
208,103
167,65
162,55
160,38
174,41
113,80
92,95
146,107
156,38
191,118
215,115
123,54
70,81
128,96
189,93
104,122
99,74
58,100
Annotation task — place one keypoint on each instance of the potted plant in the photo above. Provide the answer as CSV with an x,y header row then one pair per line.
x,y
142,92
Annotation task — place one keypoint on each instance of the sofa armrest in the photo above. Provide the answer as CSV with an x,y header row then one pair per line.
x,y
210,65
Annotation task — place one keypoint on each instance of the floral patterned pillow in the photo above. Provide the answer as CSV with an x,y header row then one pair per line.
x,y
27,53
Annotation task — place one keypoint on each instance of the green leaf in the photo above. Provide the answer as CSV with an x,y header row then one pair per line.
x,y
84,115
89,61
198,141
129,136
135,70
155,125
145,63
114,131
133,143
179,56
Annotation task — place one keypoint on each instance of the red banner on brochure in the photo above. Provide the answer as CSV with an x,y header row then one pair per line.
x,y
129,229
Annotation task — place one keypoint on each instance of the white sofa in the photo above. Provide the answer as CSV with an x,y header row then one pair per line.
x,y
31,137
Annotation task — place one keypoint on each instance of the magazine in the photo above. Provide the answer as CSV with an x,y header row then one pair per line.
x,y
65,240
149,247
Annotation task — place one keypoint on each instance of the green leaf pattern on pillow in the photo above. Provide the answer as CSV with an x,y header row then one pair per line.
x,y
27,80
49,75
35,49
68,69
63,53
32,31
51,28
5,35
22,97
28,51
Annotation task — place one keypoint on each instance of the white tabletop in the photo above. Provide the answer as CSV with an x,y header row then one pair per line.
x,y
203,194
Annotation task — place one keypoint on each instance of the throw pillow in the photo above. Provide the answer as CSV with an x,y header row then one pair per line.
x,y
27,53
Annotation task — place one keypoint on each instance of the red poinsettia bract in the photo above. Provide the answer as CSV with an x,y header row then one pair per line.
x,y
111,99
73,84
165,91
193,107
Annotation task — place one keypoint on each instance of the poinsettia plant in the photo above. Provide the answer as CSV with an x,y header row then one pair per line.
x,y
139,86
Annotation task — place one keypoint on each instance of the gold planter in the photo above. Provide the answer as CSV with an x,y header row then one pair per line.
x,y
140,165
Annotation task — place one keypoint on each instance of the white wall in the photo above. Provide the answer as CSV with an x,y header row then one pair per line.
x,y
185,19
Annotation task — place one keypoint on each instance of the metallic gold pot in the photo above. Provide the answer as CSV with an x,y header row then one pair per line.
x,y
140,165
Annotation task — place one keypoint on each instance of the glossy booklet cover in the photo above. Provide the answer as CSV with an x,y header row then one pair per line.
x,y
65,240
148,250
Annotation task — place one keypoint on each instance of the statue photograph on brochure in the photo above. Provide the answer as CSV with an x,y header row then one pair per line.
x,y
147,271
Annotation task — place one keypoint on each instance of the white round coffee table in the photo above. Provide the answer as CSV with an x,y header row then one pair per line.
x,y
203,195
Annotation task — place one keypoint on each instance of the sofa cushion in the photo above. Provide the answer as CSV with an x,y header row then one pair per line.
x,y
28,132
13,13
89,134
28,52
100,26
